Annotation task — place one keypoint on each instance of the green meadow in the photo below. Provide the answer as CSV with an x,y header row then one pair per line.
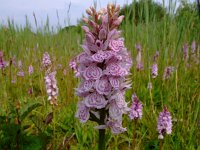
x,y
29,122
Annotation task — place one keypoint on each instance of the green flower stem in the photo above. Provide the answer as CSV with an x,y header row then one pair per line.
x,y
102,143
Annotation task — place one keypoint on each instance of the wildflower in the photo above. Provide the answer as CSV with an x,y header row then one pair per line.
x,y
136,108
154,70
139,58
193,47
3,64
185,52
155,57
46,61
102,68
20,64
13,81
138,47
51,87
30,91
13,61
30,69
168,72
164,125
20,73
64,72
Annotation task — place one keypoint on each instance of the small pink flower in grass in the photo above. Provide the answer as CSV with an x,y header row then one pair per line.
x,y
30,69
46,61
20,64
138,47
185,52
64,72
140,66
168,72
193,47
164,125
30,91
13,61
154,70
20,73
136,108
73,65
51,87
3,64
139,61
155,57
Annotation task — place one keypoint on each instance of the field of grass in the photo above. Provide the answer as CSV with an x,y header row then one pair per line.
x,y
26,119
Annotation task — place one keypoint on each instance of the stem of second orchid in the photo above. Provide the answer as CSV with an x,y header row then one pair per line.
x,y
134,134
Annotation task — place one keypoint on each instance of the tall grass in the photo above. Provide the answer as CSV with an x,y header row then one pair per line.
x,y
180,93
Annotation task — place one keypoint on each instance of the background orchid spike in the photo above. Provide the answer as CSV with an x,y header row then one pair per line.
x,y
164,125
46,61
136,108
168,72
103,67
3,64
51,87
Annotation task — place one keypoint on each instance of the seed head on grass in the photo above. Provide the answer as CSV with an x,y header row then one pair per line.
x,y
102,68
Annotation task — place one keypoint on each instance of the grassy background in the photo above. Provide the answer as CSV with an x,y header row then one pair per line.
x,y
180,93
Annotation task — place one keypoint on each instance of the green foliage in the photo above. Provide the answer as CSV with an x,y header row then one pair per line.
x,y
22,115
142,11
28,109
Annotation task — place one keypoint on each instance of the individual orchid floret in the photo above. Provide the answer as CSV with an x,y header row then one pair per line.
x,y
115,126
83,112
51,87
164,125
136,108
46,61
168,72
30,69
